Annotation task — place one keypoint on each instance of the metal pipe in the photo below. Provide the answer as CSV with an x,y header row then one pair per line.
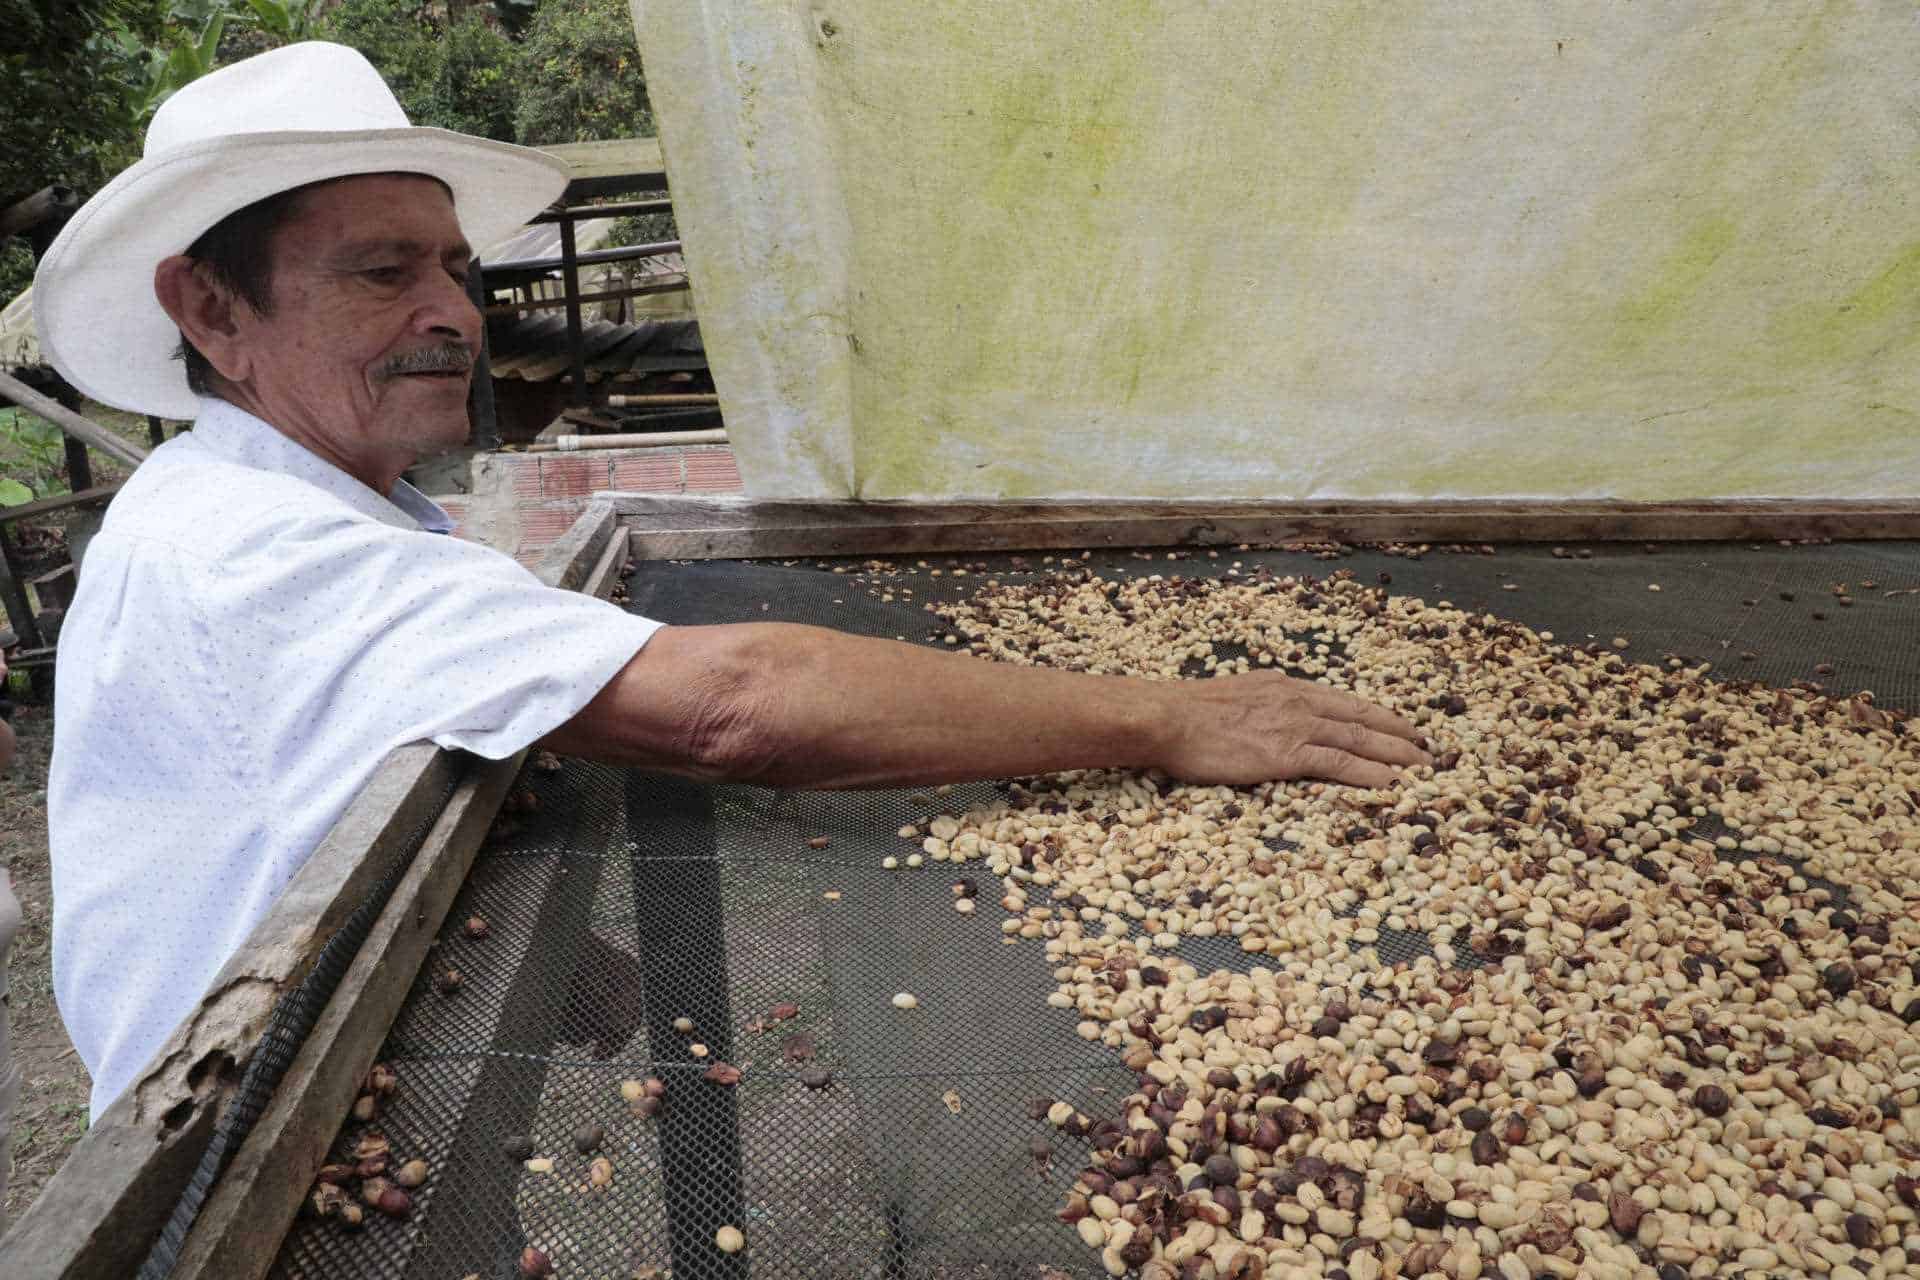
x,y
620,209
676,285
589,259
665,400
70,422
634,440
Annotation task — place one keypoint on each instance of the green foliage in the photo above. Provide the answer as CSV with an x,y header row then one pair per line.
x,y
514,15
170,68
644,228
399,40
462,77
581,78
72,73
80,79
16,269
477,88
33,458
290,20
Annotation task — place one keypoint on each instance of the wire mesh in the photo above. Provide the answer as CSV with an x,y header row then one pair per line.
x,y
288,1026
628,901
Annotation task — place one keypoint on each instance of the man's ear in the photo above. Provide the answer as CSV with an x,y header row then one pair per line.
x,y
206,313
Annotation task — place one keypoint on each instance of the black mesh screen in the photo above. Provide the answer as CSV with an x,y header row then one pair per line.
x,y
626,901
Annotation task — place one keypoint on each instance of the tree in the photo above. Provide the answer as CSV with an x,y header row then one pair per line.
x,y
70,90
462,76
581,76
477,87
69,99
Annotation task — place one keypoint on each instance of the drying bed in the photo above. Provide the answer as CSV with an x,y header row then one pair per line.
x,y
1462,1025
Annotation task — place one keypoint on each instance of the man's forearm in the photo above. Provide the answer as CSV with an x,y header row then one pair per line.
x,y
852,712
798,706
807,707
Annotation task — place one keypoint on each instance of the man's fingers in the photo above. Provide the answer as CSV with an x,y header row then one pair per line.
x,y
1336,765
1336,704
1357,740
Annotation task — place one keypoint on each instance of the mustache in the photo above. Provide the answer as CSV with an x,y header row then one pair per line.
x,y
446,357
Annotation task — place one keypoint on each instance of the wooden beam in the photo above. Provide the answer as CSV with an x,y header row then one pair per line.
x,y
678,527
59,502
610,158
102,1211
49,202
28,659
239,1230
240,1227
570,561
11,388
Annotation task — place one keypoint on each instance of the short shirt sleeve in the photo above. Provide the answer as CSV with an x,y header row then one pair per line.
x,y
352,629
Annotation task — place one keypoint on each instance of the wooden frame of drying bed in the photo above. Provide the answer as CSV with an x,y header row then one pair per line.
x,y
102,1212
718,527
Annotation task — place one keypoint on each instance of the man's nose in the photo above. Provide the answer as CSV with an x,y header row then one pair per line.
x,y
449,312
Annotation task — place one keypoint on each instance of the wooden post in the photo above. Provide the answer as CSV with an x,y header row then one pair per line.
x,y
13,589
156,431
79,470
576,347
485,432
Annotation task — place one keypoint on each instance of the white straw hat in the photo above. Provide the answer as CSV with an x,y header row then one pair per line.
x,y
299,114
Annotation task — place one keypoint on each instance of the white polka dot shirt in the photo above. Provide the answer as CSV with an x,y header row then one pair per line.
x,y
254,631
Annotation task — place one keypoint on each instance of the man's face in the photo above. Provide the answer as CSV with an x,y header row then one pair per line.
x,y
371,338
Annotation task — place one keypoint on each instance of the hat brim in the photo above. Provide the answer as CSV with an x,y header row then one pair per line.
x,y
101,325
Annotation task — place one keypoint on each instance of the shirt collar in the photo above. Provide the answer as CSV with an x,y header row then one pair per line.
x,y
236,435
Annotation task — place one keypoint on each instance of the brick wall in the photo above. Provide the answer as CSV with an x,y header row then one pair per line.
x,y
549,490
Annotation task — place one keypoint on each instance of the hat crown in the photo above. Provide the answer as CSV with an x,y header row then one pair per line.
x,y
313,86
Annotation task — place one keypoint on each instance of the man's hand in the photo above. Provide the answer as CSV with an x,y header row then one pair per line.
x,y
1261,726
798,706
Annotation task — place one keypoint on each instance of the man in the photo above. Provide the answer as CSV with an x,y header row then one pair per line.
x,y
267,611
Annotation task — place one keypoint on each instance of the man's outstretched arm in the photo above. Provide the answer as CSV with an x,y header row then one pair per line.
x,y
797,706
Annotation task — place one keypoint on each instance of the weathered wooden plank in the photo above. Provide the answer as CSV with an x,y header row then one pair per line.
x,y
612,158
667,527
70,422
100,1214
568,562
59,502
239,1230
